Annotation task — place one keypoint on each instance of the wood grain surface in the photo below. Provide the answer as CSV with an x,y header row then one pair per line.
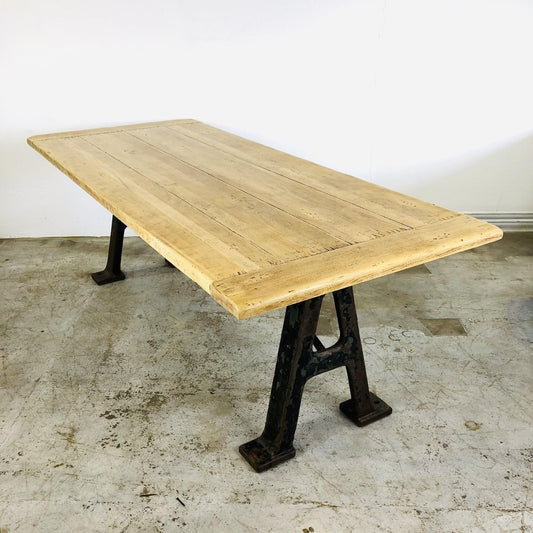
x,y
256,228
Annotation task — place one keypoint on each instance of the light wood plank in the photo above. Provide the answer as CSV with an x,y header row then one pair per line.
x,y
256,220
341,219
235,247
254,293
114,188
378,200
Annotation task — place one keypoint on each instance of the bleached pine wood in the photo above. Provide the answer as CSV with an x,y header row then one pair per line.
x,y
94,131
378,200
262,290
256,228
336,216
245,214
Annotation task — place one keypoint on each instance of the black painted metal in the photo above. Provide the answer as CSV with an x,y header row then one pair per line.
x,y
297,362
317,343
112,270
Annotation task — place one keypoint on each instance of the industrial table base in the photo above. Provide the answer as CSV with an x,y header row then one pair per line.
x,y
301,356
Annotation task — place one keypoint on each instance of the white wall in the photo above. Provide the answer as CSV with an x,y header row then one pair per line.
x,y
429,97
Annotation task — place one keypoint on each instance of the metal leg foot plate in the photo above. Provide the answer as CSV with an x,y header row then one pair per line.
x,y
261,458
380,410
106,276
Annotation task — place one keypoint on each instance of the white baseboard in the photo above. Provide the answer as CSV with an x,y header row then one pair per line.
x,y
508,221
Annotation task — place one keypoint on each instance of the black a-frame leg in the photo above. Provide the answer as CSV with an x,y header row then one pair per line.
x,y
298,362
363,407
112,270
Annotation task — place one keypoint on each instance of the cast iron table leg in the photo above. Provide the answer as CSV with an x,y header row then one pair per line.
x,y
112,270
297,362
363,407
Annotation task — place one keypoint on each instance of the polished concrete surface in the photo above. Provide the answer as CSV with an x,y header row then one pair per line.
x,y
122,406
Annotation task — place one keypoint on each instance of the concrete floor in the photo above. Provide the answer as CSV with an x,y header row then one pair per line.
x,y
122,406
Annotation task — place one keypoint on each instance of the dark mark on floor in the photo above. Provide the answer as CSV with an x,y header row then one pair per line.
x,y
152,343
157,400
444,326
70,435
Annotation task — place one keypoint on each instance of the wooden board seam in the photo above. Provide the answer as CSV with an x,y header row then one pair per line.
x,y
180,198
185,162
253,163
184,263
327,283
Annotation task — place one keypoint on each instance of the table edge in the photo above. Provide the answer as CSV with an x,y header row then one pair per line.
x,y
230,292
106,129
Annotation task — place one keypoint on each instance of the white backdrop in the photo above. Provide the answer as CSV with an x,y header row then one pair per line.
x,y
429,97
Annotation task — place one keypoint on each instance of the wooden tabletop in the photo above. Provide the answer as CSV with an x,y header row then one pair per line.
x,y
256,228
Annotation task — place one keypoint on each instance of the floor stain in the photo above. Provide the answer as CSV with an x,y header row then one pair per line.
x,y
145,493
157,400
472,426
440,327
254,396
70,435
